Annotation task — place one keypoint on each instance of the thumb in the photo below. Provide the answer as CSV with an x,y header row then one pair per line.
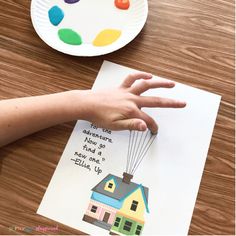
x,y
131,124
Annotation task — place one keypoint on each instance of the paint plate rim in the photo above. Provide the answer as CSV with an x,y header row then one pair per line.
x,y
44,31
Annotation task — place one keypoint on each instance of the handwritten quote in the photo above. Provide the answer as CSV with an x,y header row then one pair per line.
x,y
91,156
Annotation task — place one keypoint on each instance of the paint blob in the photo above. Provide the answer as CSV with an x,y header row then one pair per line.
x,y
69,36
106,37
71,1
55,15
122,4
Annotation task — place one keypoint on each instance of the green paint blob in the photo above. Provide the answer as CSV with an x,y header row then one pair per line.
x,y
69,36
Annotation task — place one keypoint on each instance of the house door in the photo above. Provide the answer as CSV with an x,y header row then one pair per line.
x,y
106,217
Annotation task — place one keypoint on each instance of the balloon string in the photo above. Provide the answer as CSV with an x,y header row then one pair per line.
x,y
152,138
137,149
133,154
128,153
131,146
145,144
141,148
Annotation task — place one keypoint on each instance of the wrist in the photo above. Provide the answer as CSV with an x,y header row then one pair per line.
x,y
80,104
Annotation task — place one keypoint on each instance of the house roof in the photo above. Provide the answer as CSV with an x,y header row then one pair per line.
x,y
122,189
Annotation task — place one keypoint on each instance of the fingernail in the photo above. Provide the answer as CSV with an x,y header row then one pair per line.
x,y
183,102
180,101
154,132
142,127
171,83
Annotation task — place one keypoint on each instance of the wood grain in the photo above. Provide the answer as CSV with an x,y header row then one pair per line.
x,y
190,41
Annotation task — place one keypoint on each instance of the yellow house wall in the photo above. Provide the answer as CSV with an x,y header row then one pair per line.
x,y
113,187
139,213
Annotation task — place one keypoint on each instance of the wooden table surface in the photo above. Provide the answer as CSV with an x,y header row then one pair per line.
x,y
189,41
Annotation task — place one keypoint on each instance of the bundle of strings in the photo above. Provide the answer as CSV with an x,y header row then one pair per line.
x,y
139,144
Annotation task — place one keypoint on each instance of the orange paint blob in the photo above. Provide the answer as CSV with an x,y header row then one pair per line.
x,y
122,4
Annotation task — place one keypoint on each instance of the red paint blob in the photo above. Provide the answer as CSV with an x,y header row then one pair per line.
x,y
122,4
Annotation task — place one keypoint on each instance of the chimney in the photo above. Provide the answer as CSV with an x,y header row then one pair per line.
x,y
126,178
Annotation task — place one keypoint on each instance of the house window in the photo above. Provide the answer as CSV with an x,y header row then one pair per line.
x,y
127,226
117,222
138,230
94,209
110,185
134,206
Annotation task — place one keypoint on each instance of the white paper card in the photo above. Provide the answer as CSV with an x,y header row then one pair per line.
x,y
171,170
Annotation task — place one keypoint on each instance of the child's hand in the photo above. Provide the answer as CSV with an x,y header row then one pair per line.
x,y
115,109
120,108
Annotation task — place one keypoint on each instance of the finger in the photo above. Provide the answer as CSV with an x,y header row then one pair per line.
x,y
130,124
130,79
150,84
150,122
144,101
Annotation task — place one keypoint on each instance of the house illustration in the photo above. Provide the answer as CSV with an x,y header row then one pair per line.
x,y
118,205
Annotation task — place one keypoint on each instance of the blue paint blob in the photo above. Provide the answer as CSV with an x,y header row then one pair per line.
x,y
55,15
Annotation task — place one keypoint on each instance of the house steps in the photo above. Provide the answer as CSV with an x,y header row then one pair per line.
x,y
102,225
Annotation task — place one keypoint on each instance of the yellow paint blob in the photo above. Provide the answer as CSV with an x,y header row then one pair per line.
x,y
106,37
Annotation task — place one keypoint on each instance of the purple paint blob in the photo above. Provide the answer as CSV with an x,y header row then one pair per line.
x,y
71,1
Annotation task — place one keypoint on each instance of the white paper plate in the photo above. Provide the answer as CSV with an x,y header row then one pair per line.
x,y
88,18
